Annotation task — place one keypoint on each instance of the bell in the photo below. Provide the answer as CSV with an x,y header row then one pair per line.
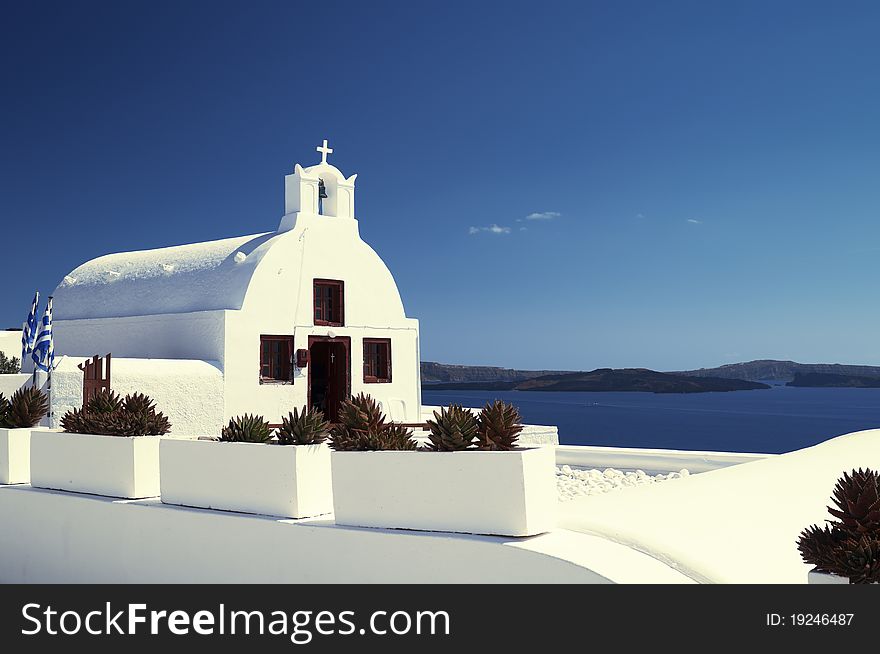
x,y
322,190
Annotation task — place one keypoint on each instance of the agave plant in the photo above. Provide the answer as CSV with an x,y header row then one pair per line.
x,y
138,403
103,401
77,421
107,414
857,497
247,429
362,426
396,437
499,426
27,407
850,545
454,428
4,412
306,427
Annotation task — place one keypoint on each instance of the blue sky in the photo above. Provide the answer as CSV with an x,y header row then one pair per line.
x,y
553,185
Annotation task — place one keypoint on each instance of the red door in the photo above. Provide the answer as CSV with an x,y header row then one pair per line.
x,y
329,374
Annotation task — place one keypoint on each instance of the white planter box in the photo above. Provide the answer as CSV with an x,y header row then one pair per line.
x,y
503,493
15,456
116,466
814,577
291,481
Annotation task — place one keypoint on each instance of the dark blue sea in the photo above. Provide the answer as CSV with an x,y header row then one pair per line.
x,y
777,420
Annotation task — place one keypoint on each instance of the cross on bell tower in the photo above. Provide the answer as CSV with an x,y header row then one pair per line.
x,y
324,150
319,190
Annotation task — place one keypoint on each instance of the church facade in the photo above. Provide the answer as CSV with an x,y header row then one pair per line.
x,y
305,315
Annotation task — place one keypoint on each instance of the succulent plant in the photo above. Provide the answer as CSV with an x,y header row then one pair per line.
x,y
138,403
817,543
858,559
108,414
307,427
27,406
362,426
857,497
76,421
396,437
453,429
247,429
499,426
103,401
850,545
4,412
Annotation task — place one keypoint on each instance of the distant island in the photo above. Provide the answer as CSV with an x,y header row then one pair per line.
x,y
828,380
749,375
787,371
606,379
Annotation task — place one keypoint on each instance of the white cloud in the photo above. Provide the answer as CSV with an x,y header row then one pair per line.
x,y
640,215
543,215
491,229
694,221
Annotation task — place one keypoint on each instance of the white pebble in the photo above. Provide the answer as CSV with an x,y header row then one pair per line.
x,y
572,483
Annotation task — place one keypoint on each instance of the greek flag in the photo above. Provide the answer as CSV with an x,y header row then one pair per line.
x,y
44,348
29,330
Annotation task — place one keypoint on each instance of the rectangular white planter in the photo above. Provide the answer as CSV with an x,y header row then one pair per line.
x,y
116,466
15,456
502,493
291,481
814,577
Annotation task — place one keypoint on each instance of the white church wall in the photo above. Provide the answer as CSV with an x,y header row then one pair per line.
x,y
167,336
11,383
10,343
189,392
213,301
280,302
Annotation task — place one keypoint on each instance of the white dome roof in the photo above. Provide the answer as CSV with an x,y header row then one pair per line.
x,y
196,277
261,273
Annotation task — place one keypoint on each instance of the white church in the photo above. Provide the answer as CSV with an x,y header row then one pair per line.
x,y
304,315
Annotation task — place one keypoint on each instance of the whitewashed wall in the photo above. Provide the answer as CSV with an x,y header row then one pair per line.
x,y
11,383
190,393
279,302
196,335
10,343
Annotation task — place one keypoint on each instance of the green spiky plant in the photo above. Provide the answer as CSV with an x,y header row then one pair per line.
x,y
4,412
499,427
849,546
107,414
306,427
246,428
138,403
104,401
453,429
857,497
362,426
27,406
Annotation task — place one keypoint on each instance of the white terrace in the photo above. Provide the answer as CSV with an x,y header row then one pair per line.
x,y
735,521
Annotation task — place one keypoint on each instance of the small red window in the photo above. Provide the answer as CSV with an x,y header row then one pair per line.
x,y
377,360
329,295
276,353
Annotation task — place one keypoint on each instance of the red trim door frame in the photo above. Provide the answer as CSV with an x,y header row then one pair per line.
x,y
336,395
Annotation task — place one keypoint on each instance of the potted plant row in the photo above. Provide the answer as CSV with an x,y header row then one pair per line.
x,y
18,416
109,447
249,470
847,549
471,477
